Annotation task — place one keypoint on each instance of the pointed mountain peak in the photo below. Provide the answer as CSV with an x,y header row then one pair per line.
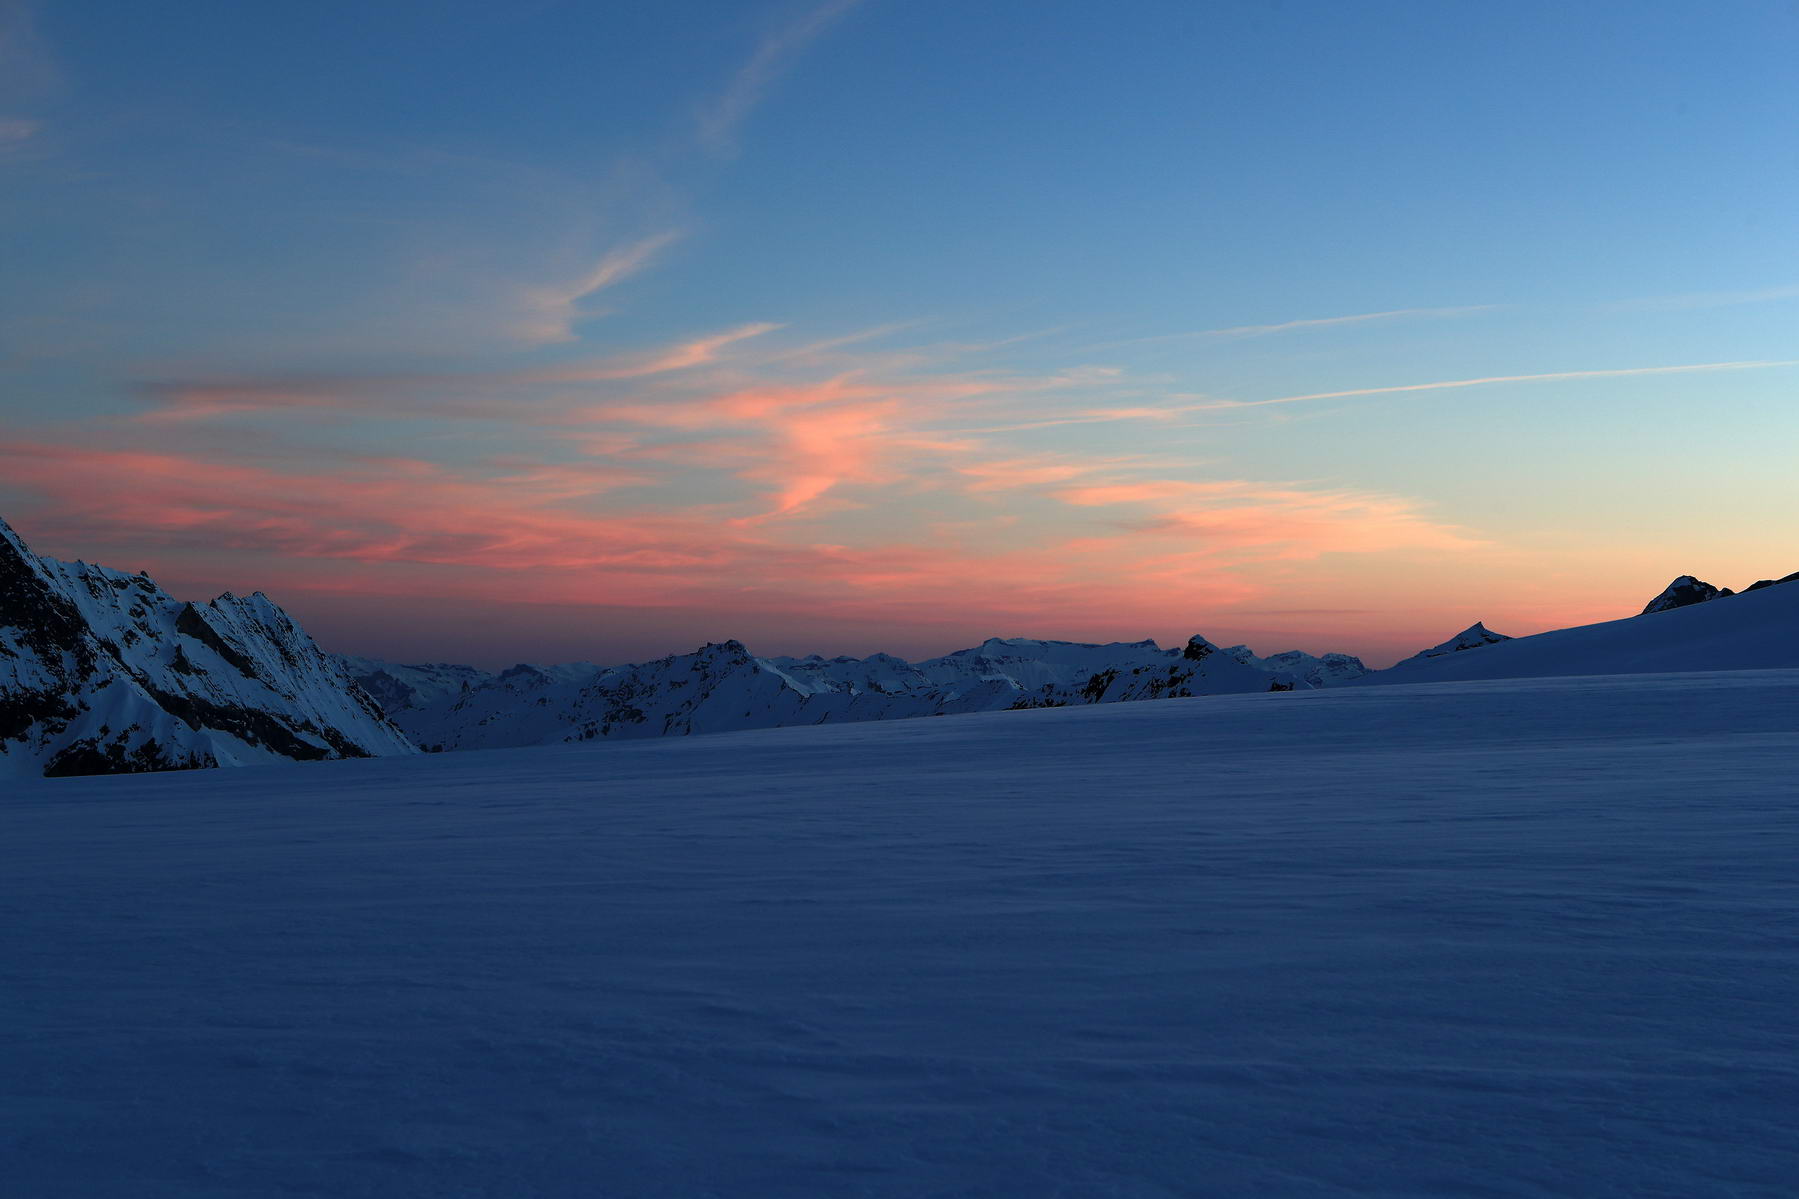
x,y
1474,636
1198,649
1684,592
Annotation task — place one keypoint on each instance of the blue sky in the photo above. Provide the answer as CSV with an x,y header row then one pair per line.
x,y
890,325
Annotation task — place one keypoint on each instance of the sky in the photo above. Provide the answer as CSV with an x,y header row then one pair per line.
x,y
554,330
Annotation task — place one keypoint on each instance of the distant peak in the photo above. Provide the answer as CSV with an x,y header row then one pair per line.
x,y
1684,592
1198,649
1475,636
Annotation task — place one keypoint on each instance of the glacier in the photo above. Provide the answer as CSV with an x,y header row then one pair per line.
x,y
1498,937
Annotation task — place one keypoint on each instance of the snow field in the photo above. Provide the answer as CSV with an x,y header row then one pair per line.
x,y
1533,937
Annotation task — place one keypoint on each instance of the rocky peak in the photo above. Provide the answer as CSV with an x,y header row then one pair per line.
x,y
1198,649
1475,636
1684,592
102,671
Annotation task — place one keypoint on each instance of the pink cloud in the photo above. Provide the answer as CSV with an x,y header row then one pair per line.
x,y
1282,520
712,476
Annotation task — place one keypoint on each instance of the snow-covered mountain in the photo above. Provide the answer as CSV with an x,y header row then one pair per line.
x,y
723,687
1686,591
103,672
1475,636
1327,670
1757,629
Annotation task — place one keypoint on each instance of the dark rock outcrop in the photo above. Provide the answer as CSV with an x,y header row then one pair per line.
x,y
1684,592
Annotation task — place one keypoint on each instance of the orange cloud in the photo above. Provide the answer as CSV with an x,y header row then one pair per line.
x,y
1276,520
523,537
714,475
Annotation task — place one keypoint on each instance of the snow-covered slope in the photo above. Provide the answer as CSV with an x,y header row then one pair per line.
x,y
723,687
101,671
1501,939
1757,629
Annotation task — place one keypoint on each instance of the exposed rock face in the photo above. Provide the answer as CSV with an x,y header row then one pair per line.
x,y
104,672
1686,591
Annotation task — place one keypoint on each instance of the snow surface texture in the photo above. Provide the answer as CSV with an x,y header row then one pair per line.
x,y
724,688
102,671
1516,938
1757,629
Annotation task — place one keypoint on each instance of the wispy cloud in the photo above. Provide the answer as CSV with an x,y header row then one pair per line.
x,y
724,114
698,351
16,131
1488,380
1165,413
1245,331
478,395
548,314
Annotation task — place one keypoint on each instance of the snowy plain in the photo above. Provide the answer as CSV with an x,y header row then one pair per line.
x,y
1529,937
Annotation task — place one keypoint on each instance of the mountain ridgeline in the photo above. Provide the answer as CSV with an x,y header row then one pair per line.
x,y
723,687
103,672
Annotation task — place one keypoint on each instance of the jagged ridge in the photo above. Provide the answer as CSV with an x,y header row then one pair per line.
x,y
104,672
723,687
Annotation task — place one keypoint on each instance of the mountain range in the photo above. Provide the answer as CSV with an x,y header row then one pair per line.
x,y
103,672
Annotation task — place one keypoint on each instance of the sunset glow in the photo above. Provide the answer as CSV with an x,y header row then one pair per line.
x,y
740,344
